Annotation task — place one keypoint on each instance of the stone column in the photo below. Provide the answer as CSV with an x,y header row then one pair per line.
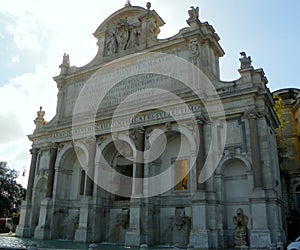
x,y
255,149
199,233
139,169
260,235
43,229
51,171
134,235
201,154
34,153
84,231
25,227
89,186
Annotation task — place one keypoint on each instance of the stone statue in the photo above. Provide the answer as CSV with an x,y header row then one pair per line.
x,y
179,228
65,64
122,37
148,6
153,28
181,220
193,13
245,61
240,221
123,219
122,34
134,37
111,44
128,4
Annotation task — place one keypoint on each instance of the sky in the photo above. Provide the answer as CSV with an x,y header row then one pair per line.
x,y
34,35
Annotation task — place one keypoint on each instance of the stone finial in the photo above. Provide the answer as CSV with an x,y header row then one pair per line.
x,y
65,64
148,5
39,120
245,61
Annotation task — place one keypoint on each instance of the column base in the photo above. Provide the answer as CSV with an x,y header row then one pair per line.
x,y
82,235
260,238
199,238
133,238
42,232
24,229
83,232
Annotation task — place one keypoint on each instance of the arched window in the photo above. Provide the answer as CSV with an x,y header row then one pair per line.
x,y
297,193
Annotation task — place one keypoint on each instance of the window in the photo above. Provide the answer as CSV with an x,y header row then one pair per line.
x,y
181,175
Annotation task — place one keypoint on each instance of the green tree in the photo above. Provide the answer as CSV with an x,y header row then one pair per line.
x,y
11,192
280,138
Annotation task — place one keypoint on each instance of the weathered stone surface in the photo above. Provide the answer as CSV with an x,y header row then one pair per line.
x,y
187,213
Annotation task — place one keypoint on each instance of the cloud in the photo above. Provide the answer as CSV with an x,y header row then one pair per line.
x,y
27,33
10,127
21,42
24,94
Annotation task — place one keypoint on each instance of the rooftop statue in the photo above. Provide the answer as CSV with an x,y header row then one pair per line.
x,y
245,61
193,13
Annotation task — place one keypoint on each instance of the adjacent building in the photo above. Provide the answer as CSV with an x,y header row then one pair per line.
x,y
289,156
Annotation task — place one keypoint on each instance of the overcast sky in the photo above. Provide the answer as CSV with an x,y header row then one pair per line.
x,y
34,34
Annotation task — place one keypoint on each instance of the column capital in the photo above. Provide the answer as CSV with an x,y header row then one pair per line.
x,y
54,145
257,113
135,132
34,151
201,119
100,139
252,113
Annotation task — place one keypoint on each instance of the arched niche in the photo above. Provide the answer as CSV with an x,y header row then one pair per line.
x,y
236,188
39,194
115,157
71,166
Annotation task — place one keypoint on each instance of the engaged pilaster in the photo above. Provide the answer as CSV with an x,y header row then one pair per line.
x,y
201,153
139,169
34,154
91,167
51,171
255,149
